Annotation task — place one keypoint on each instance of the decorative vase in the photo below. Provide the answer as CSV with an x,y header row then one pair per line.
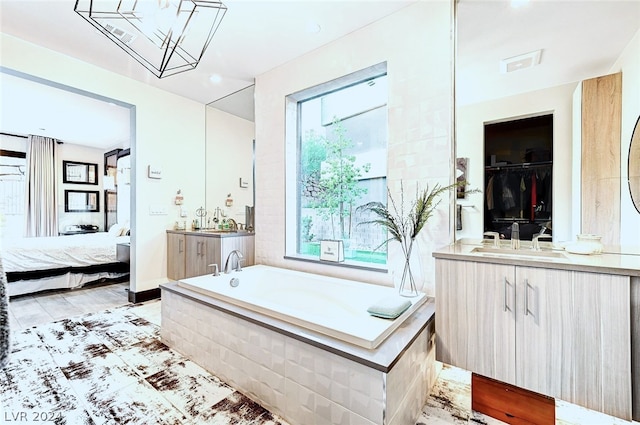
x,y
410,280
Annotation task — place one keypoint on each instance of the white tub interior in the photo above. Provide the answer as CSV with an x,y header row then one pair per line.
x,y
330,306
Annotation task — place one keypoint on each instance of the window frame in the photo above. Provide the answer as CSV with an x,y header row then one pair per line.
x,y
292,162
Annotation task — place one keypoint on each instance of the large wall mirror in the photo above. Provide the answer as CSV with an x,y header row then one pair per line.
x,y
230,135
514,62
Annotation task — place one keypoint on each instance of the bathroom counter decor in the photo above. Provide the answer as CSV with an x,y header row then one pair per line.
x,y
299,373
404,227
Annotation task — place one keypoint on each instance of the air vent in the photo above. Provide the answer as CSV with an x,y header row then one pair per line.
x,y
524,61
120,34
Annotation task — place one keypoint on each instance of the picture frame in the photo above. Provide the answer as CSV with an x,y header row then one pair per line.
x,y
79,172
81,201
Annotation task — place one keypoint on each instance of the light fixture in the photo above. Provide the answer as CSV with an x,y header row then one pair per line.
x,y
165,36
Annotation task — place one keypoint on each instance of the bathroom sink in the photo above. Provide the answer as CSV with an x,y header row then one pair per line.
x,y
218,231
525,253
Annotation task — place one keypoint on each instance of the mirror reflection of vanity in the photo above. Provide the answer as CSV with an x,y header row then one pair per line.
x,y
485,95
230,134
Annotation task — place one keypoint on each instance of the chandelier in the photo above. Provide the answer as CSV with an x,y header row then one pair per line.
x,y
165,36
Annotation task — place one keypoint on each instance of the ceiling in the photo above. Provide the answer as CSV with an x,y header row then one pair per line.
x,y
580,39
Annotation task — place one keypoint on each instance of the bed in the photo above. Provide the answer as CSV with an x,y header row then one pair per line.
x,y
57,262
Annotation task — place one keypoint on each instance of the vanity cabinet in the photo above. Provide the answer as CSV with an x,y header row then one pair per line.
x,y
176,255
189,254
558,332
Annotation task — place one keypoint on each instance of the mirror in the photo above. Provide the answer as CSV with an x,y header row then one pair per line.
x,y
230,134
81,201
569,35
634,166
79,172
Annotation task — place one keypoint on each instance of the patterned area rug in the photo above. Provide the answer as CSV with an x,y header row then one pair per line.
x,y
111,367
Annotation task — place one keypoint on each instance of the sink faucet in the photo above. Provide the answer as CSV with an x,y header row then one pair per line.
x,y
228,265
496,238
536,240
515,236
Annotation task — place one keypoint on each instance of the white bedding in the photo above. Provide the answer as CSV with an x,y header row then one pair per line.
x,y
28,254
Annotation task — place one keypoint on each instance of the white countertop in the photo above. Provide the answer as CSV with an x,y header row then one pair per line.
x,y
611,262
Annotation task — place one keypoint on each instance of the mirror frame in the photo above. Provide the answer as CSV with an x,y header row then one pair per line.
x,y
91,202
85,172
633,180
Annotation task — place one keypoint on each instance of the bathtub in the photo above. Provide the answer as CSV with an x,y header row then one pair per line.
x,y
333,307
304,346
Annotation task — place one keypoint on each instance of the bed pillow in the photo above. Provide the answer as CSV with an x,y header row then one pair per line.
x,y
116,230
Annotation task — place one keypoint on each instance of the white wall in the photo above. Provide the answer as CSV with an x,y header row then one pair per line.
x,y
629,64
229,157
169,133
470,144
417,46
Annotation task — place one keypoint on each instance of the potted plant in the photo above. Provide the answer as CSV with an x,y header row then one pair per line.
x,y
403,225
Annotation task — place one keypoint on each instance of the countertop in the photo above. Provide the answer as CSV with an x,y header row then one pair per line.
x,y
627,264
214,233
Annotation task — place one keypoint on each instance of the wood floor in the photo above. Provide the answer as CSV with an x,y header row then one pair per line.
x,y
26,311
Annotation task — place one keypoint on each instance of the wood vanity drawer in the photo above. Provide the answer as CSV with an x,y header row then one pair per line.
x,y
510,404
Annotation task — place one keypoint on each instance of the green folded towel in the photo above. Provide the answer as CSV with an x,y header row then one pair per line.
x,y
389,308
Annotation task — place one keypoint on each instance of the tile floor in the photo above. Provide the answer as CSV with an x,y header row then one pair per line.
x,y
109,366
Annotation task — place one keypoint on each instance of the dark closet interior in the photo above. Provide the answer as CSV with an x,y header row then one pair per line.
x,y
518,175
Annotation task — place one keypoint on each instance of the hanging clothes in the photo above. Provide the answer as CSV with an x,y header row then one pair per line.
x,y
534,195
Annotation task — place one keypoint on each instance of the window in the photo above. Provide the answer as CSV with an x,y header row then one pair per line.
x,y
337,157
13,167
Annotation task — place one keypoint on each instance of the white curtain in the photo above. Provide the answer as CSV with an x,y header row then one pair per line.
x,y
41,211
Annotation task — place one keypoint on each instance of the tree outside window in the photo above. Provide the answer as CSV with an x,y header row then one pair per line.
x,y
342,151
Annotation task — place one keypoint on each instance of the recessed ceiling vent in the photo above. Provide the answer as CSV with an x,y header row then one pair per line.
x,y
524,61
119,33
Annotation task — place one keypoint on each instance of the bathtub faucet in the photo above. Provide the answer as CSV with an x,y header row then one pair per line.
x,y
228,265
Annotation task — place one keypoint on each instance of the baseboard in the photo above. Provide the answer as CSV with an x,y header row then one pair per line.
x,y
142,296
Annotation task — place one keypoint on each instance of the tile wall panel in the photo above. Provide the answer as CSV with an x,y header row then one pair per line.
x,y
303,383
420,121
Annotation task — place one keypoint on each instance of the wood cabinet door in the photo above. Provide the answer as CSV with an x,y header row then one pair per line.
x,y
475,325
573,337
202,251
601,350
176,256
244,244
543,307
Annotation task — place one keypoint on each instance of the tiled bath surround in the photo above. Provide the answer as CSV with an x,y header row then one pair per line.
x,y
297,379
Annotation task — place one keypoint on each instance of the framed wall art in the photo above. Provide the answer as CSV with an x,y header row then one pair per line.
x,y
81,201
79,172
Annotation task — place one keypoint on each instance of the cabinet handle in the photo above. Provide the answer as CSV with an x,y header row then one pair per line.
x,y
198,248
179,246
505,283
526,297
